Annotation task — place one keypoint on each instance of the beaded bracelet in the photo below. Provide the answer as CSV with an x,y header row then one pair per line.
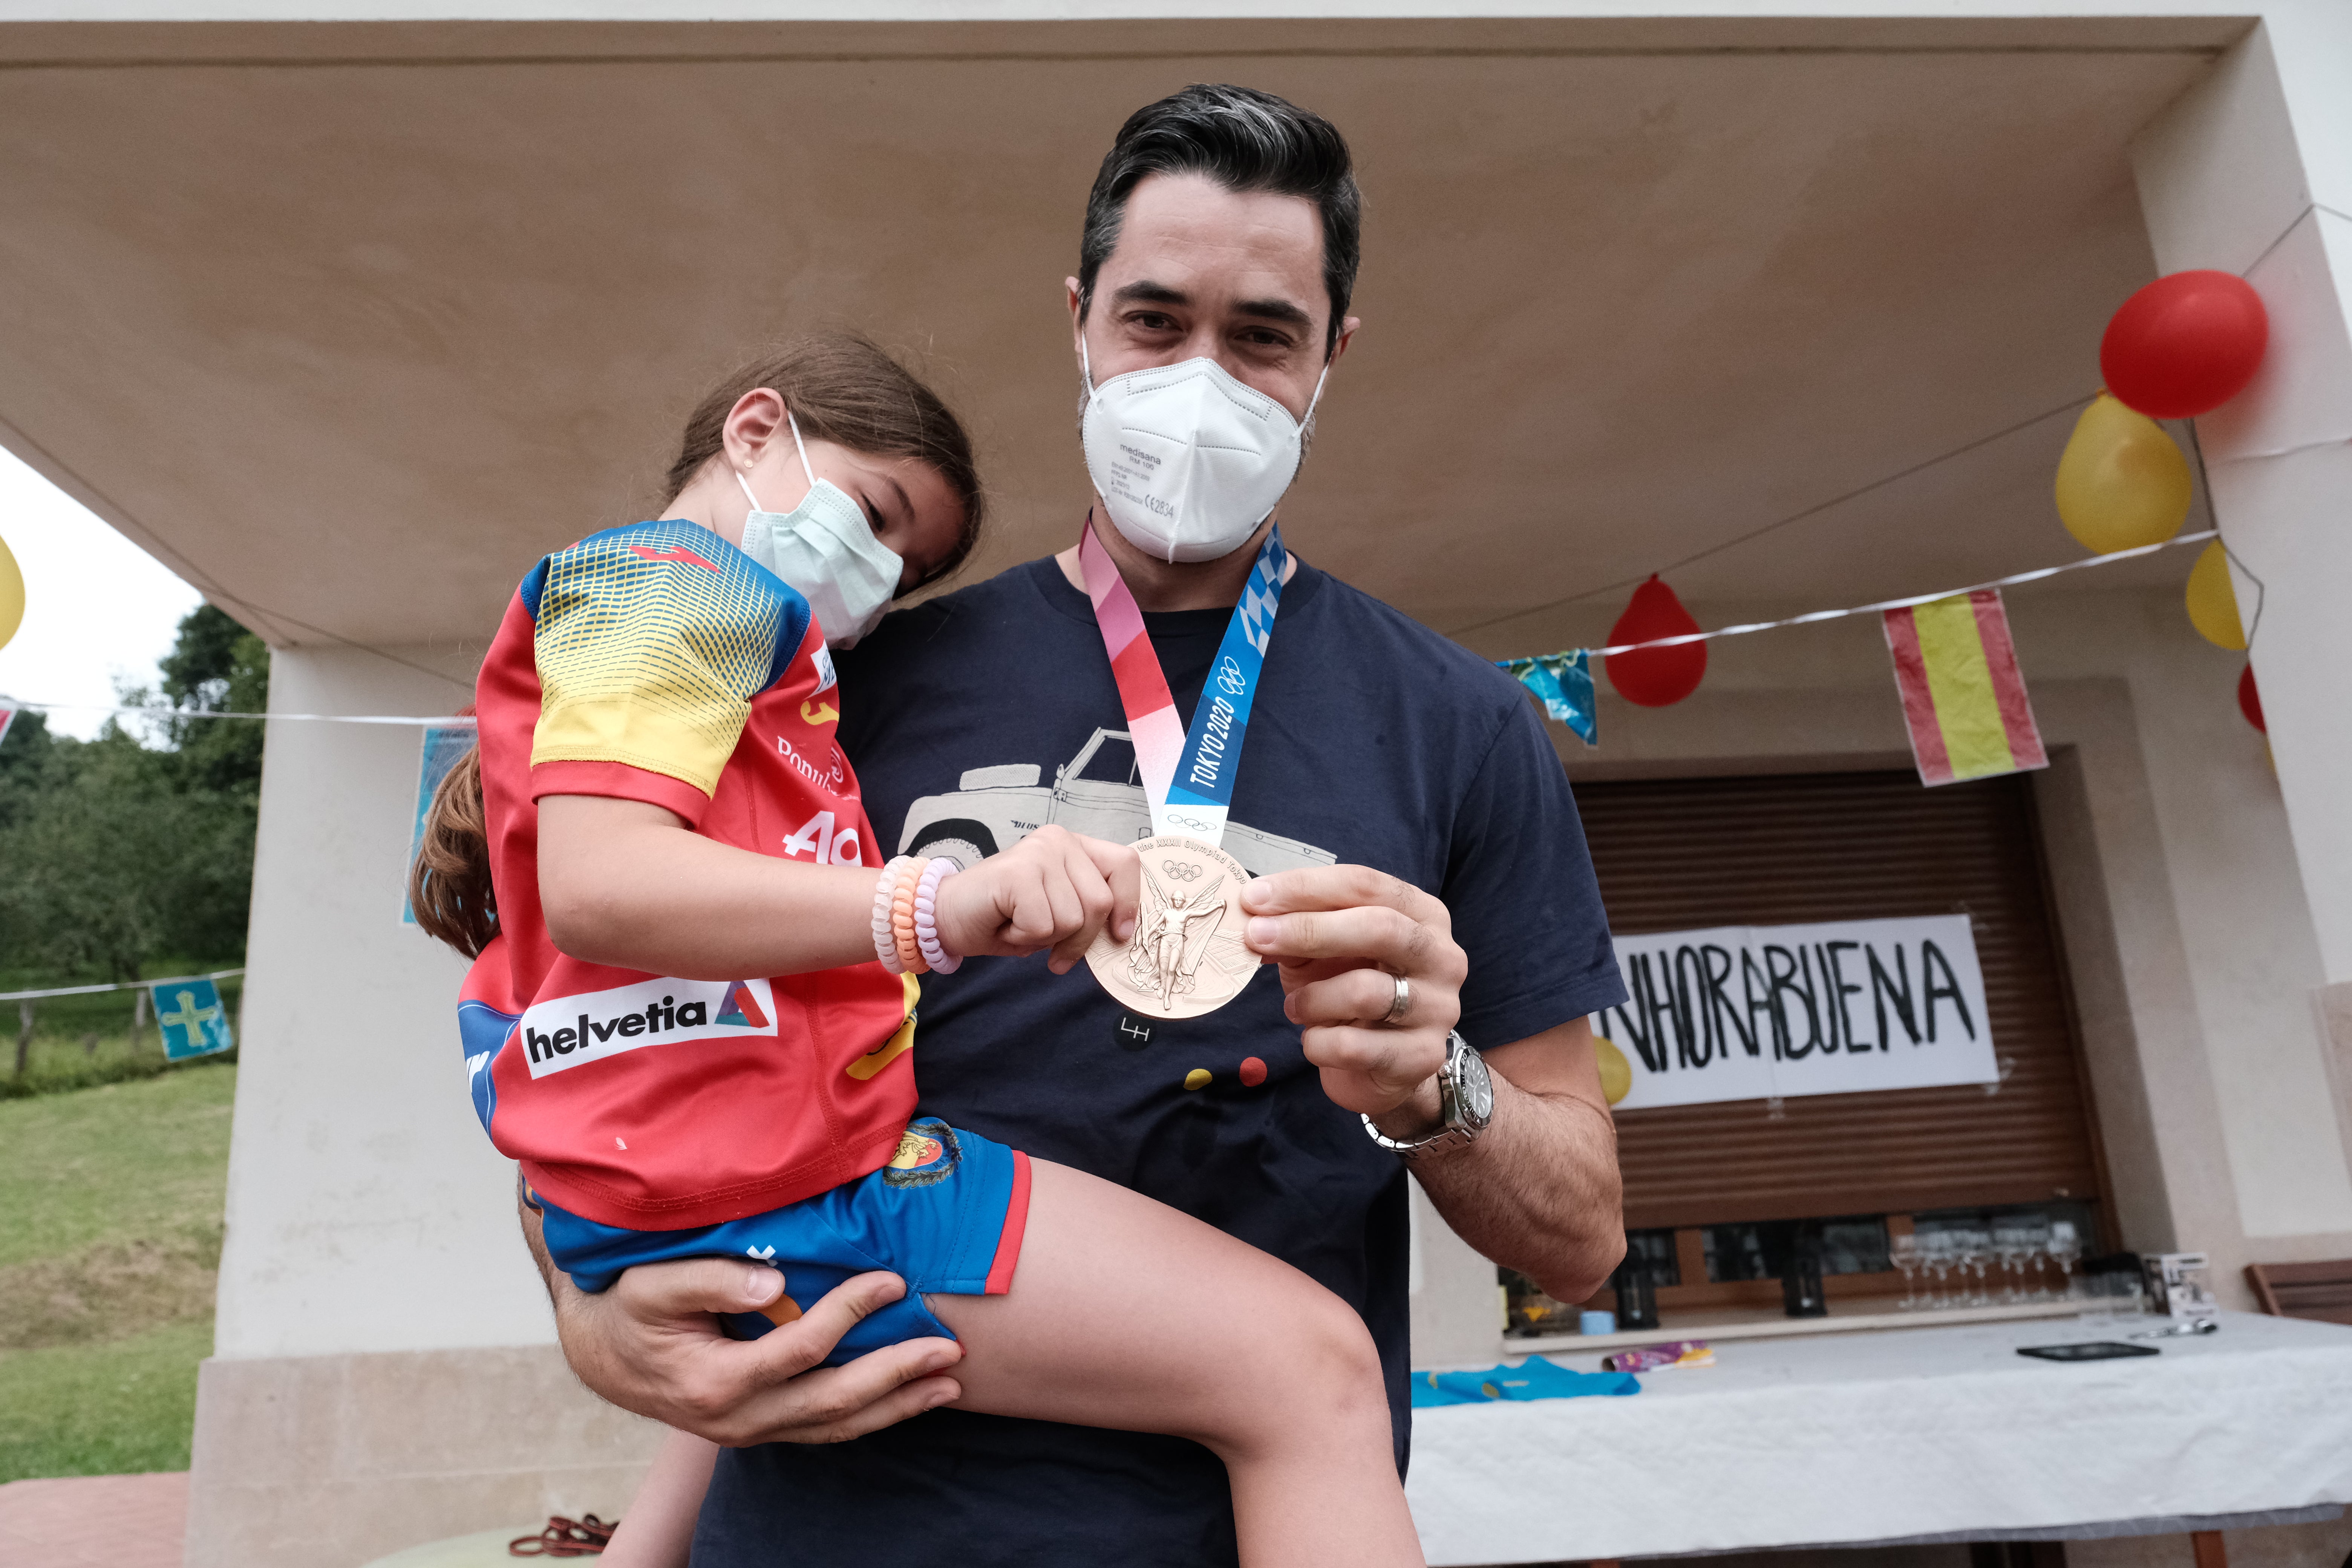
x,y
885,946
926,902
902,918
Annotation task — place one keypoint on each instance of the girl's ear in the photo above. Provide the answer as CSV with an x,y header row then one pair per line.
x,y
755,420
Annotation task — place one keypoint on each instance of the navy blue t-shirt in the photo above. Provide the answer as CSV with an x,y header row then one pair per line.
x,y
975,717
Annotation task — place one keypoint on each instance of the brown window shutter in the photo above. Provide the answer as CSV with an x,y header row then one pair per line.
x,y
1676,855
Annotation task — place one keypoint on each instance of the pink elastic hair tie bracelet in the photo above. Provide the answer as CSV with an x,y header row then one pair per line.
x,y
927,930
886,947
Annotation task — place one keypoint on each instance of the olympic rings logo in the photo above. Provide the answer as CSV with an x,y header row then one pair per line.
x,y
1181,871
1229,679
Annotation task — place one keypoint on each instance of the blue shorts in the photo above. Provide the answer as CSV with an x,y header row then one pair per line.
x,y
945,1215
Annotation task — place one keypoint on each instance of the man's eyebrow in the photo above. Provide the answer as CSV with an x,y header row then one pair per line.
x,y
1281,311
1149,293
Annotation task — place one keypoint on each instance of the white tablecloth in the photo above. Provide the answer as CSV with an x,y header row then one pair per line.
x,y
1874,1437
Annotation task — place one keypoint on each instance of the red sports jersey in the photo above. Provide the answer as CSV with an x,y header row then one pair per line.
x,y
657,662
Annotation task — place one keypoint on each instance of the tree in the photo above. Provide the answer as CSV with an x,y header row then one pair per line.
x,y
24,760
217,667
113,853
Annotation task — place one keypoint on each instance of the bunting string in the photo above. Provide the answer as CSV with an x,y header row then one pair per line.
x,y
455,722
1517,665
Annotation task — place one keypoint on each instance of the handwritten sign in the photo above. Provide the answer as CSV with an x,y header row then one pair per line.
x,y
1760,1012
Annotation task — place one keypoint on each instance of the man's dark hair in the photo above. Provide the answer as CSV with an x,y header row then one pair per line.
x,y
1245,141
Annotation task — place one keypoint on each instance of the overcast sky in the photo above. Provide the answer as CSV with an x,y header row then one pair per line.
x,y
96,607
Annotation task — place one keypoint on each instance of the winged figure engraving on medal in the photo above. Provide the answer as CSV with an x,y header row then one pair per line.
x,y
1172,932
1186,956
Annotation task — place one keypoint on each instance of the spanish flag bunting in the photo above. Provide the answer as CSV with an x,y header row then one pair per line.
x,y
1962,696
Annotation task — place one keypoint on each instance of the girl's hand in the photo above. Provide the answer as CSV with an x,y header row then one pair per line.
x,y
1053,889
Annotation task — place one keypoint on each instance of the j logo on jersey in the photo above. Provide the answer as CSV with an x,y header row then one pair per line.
x,y
566,1031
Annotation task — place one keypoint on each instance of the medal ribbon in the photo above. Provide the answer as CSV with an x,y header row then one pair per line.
x,y
1188,779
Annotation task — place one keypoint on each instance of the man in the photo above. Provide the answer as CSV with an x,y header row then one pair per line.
x,y
1420,867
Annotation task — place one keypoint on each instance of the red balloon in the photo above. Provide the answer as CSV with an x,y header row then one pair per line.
x,y
1656,677
2250,701
2185,345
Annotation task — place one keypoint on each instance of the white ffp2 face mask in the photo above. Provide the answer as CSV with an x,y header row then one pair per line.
x,y
826,551
1188,460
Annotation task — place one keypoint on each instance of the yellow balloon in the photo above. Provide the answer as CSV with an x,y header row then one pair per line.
x,y
1616,1072
12,596
2122,482
2213,602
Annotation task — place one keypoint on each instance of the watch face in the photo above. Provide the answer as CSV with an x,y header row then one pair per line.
x,y
1477,1090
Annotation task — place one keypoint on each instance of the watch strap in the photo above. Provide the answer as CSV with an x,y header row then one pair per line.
x,y
1453,1132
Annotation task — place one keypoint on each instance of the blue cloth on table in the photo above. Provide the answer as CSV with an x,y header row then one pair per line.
x,y
1537,1379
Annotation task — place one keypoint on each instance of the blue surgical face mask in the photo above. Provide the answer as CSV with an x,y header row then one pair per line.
x,y
826,549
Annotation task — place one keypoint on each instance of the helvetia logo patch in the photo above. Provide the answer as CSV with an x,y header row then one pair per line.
x,y
566,1031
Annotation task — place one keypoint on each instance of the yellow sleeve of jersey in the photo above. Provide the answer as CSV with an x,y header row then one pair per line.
x,y
651,641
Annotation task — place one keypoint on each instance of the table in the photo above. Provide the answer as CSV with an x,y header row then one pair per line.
x,y
1894,1436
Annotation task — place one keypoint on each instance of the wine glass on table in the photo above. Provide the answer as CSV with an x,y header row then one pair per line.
x,y
1976,1255
2009,1244
1903,1251
1936,1257
2065,1251
2037,1263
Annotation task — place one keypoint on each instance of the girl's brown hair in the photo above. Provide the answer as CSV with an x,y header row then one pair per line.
x,y
449,886
841,388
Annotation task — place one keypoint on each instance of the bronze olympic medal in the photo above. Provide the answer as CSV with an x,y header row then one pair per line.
x,y
1186,957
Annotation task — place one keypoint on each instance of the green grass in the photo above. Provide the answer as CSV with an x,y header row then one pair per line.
x,y
123,1162
110,1202
102,1410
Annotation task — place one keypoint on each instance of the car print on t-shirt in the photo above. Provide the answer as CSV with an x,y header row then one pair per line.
x,y
1097,793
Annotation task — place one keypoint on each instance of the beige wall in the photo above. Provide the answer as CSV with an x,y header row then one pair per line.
x,y
2185,925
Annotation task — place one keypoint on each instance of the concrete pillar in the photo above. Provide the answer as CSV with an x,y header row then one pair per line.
x,y
2251,172
384,1370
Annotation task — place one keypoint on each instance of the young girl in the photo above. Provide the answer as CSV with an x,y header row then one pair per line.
x,y
692,998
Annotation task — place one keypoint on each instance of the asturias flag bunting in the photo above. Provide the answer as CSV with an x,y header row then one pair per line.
x,y
1962,696
1564,682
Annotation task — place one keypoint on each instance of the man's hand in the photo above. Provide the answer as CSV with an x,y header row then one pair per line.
x,y
1343,934
1539,1189
651,1344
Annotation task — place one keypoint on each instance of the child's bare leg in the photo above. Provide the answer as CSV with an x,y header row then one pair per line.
x,y
1126,1313
658,1527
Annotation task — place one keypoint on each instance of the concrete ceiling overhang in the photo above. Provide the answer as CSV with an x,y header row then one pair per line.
x,y
348,323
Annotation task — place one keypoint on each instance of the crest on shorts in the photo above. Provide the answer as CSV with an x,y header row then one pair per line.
x,y
927,1153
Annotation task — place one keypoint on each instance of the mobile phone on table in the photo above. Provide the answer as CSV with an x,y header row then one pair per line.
x,y
2095,1350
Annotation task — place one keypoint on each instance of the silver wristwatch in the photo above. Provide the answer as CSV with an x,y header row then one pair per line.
x,y
1465,1101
